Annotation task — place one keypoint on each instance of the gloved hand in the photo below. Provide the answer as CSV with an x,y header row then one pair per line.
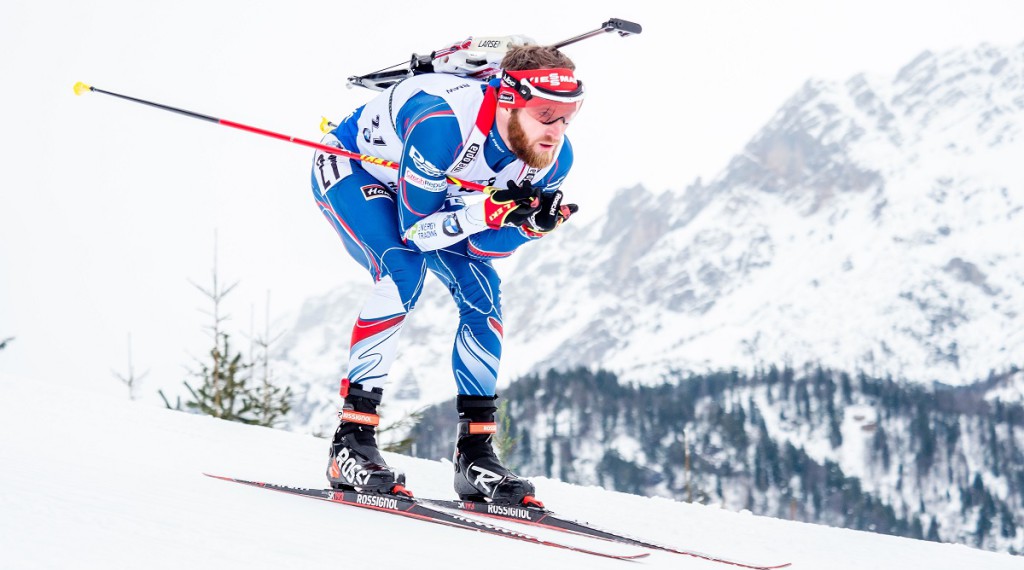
x,y
550,214
512,206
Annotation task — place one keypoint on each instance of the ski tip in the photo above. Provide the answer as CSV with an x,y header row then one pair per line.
x,y
221,477
81,88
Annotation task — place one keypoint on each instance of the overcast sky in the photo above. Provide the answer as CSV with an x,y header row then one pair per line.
x,y
108,209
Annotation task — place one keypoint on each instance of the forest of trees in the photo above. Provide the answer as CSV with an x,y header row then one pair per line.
x,y
707,438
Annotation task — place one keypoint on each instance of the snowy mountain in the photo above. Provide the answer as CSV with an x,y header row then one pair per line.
x,y
93,482
869,226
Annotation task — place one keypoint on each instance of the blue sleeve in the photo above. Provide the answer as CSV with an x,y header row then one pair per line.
x,y
431,141
501,243
496,244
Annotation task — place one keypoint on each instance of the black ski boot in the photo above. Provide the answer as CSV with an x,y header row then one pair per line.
x,y
355,462
479,476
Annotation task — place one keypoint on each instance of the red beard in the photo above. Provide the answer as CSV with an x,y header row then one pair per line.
x,y
522,148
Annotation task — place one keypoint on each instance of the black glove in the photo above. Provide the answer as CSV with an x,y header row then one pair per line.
x,y
550,213
513,206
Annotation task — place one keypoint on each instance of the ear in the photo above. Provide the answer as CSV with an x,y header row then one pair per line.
x,y
502,116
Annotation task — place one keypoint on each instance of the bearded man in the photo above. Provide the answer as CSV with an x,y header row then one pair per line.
x,y
507,133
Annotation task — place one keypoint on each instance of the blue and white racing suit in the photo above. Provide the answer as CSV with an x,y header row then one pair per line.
x,y
398,224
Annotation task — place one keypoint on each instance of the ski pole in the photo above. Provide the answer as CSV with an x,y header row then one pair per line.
x,y
81,88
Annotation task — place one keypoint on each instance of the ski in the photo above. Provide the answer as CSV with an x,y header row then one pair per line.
x,y
546,519
416,509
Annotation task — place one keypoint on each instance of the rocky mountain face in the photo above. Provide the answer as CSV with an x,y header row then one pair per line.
x,y
871,225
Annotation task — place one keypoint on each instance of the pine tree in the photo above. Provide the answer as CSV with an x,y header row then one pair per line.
x,y
227,388
1007,525
130,380
846,388
549,457
223,392
835,432
505,442
933,531
924,435
271,403
880,444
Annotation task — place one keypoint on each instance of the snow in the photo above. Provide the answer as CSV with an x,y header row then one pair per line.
x,y
1012,392
856,429
90,481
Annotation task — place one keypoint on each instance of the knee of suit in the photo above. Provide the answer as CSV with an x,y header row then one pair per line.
x,y
407,270
478,302
486,328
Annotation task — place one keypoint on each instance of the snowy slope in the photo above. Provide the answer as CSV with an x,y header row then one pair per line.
x,y
89,482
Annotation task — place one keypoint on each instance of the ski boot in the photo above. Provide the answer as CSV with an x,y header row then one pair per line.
x,y
355,462
479,475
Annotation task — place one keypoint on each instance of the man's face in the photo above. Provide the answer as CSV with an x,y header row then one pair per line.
x,y
532,141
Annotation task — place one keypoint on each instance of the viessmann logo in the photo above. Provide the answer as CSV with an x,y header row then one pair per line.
x,y
552,79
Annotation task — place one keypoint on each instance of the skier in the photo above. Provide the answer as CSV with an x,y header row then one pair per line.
x,y
507,133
